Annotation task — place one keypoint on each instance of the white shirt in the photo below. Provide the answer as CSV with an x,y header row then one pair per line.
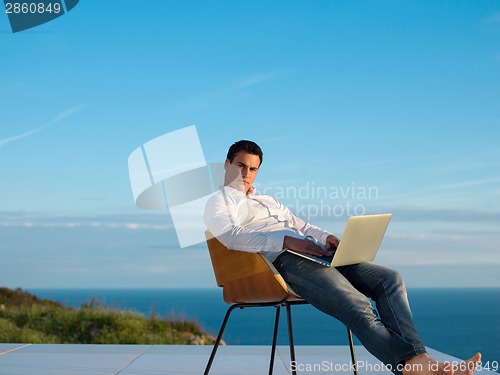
x,y
255,223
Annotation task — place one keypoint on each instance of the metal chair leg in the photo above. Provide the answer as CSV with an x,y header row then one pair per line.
x,y
275,336
290,336
351,347
219,338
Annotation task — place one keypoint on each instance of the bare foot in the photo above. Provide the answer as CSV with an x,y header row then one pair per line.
x,y
423,364
467,367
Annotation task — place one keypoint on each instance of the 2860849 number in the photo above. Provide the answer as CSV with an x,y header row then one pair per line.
x,y
32,8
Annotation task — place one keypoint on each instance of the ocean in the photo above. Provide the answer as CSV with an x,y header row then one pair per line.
x,y
458,322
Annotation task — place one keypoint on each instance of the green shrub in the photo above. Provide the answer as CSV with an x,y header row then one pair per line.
x,y
28,319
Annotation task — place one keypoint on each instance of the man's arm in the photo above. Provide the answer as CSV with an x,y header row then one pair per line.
x,y
304,246
330,241
221,218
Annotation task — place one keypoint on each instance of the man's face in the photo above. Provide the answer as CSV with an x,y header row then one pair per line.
x,y
241,173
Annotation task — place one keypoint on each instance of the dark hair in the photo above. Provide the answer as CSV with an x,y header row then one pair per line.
x,y
247,146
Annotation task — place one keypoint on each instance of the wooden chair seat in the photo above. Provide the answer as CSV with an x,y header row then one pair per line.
x,y
247,277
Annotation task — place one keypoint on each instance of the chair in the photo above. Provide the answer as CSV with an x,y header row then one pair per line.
x,y
250,280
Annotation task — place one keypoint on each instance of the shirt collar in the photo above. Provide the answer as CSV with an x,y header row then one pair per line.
x,y
232,191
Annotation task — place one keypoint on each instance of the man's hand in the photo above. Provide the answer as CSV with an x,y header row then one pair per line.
x,y
305,246
332,242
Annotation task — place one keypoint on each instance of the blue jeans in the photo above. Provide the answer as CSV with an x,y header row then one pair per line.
x,y
345,293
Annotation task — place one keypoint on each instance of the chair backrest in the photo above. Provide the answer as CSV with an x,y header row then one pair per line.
x,y
246,277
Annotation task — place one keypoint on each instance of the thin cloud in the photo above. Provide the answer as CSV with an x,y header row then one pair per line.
x,y
5,141
490,24
219,96
67,113
462,184
418,214
58,118
259,78
20,219
442,188
376,163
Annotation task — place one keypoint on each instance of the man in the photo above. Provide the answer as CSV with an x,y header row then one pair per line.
x,y
245,221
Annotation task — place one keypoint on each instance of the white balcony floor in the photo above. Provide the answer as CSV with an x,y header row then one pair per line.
x,y
27,359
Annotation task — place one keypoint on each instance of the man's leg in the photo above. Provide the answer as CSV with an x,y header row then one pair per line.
x,y
386,288
331,292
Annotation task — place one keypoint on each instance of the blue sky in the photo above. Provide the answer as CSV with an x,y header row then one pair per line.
x,y
398,96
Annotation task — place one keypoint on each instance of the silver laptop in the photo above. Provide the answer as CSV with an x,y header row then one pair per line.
x,y
359,243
